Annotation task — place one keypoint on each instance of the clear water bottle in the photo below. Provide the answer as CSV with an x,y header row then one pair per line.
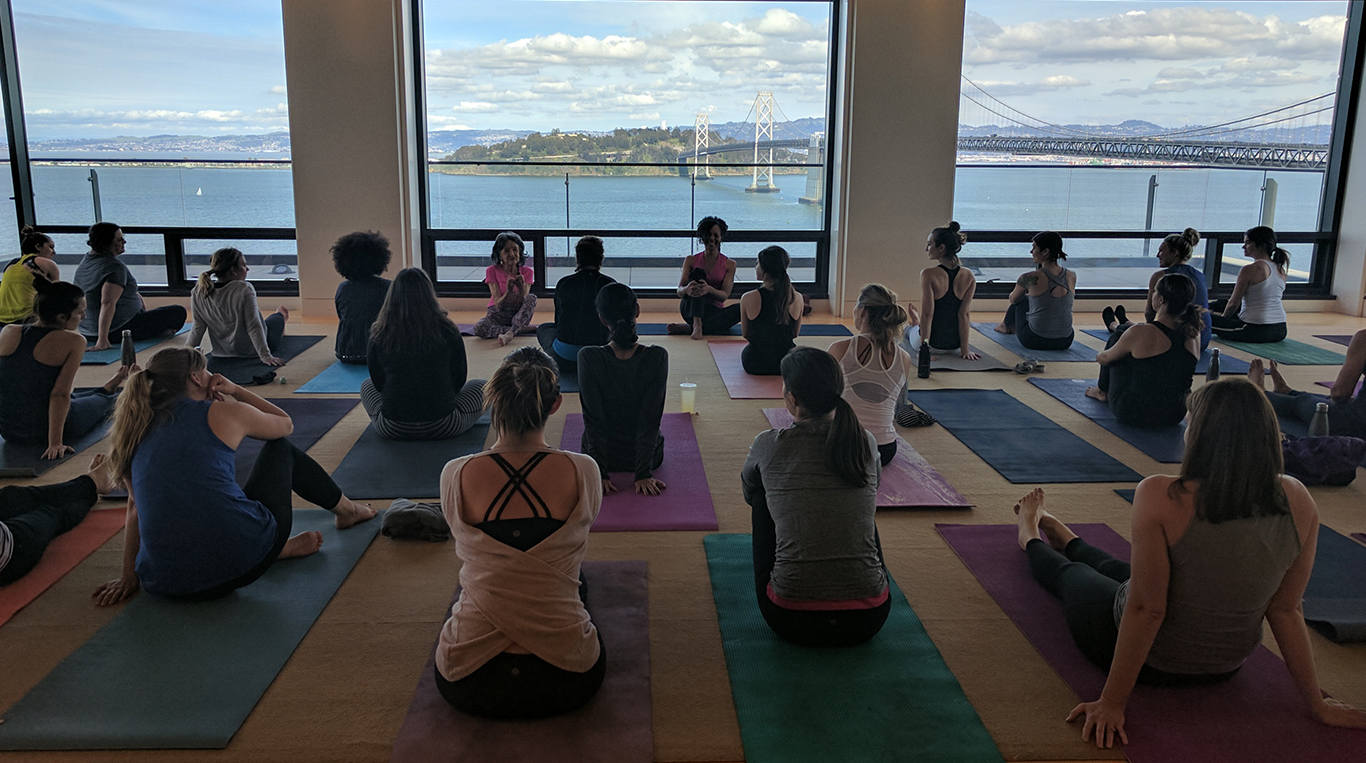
x,y
1318,426
1213,373
923,367
130,353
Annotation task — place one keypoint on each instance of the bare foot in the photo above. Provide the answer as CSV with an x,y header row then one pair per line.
x,y
1028,508
350,513
282,310
696,328
504,338
1256,373
1001,328
1278,384
104,480
1057,533
303,544
1097,393
679,328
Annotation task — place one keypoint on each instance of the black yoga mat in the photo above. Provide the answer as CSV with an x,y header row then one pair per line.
x,y
1335,600
27,460
248,371
380,468
1166,445
1018,441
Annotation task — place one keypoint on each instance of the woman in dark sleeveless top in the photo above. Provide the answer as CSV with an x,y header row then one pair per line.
x,y
1146,368
946,293
770,316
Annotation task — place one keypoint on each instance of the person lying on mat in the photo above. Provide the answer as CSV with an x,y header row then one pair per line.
x,y
224,306
946,292
360,258
511,303
876,369
1254,312
36,251
417,388
519,642
1040,311
705,285
111,295
770,316
193,533
621,389
1146,368
576,319
32,516
1216,550
818,571
38,365
1346,410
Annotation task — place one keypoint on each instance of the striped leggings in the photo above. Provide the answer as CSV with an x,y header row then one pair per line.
x,y
469,406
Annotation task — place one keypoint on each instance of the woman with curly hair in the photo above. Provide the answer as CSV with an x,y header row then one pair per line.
x,y
359,257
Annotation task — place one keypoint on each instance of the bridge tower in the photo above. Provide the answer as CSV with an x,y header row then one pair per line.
x,y
763,130
702,142
815,174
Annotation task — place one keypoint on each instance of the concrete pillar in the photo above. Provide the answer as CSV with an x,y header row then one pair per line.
x,y
1349,273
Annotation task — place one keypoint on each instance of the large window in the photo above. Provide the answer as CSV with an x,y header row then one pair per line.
x,y
627,120
1146,118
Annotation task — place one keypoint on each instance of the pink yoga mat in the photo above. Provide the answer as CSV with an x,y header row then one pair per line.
x,y
740,385
685,503
1329,385
63,554
1359,537
1255,716
908,482
614,727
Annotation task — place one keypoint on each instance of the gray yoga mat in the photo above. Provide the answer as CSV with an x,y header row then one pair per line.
x,y
380,468
247,371
1335,600
174,675
27,460
1078,352
950,361
1227,363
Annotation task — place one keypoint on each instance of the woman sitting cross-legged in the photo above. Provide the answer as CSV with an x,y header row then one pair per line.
x,y
224,307
1346,406
417,388
113,304
192,532
621,389
1040,311
511,303
519,642
38,365
576,318
1254,311
1146,368
946,294
770,316
875,368
31,516
361,258
818,570
1216,550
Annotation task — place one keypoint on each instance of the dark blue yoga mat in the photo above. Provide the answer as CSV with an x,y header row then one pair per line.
x,y
1126,493
174,675
1227,363
1166,445
115,354
27,460
808,329
251,370
1335,600
1018,441
380,468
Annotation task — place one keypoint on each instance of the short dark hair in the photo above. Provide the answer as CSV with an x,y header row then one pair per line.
x,y
55,299
501,241
359,254
588,253
705,225
101,237
31,238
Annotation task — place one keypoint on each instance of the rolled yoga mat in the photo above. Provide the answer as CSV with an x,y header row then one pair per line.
x,y
1342,339
1078,352
338,378
63,554
1017,441
1166,445
380,468
1289,352
908,482
1227,363
740,385
246,371
950,361
115,354
179,675
1335,600
1255,716
686,501
615,726
808,329
891,699
27,460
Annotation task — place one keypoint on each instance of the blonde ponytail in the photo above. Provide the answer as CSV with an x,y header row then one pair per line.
x,y
884,315
147,394
220,264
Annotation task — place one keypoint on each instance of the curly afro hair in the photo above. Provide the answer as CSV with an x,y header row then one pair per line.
x,y
360,254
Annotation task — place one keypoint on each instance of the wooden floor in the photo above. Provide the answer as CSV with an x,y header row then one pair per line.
x,y
344,693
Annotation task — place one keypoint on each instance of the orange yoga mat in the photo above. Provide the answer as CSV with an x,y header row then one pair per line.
x,y
63,554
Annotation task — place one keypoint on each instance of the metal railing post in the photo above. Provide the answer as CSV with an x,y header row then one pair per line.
x,y
95,195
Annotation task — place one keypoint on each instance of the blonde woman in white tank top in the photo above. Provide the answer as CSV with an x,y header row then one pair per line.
x,y
1254,312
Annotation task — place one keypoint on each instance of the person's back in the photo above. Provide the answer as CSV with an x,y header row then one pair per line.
x,y
765,330
623,402
25,387
419,385
944,323
358,302
97,269
576,317
229,313
16,290
1151,392
1050,313
872,387
1262,304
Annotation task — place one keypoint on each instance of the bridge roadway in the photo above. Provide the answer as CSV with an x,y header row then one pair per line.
x,y
1210,153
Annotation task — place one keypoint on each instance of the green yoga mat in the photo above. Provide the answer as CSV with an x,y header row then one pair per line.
x,y
1289,352
892,699
166,675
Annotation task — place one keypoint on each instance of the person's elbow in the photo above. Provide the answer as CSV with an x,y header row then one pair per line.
x,y
1146,611
1291,610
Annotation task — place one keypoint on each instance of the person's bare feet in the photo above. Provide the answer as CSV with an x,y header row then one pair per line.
x,y
1097,393
1256,373
350,513
1001,328
100,474
678,328
504,338
1028,510
303,544
1278,384
1057,533
282,310
696,328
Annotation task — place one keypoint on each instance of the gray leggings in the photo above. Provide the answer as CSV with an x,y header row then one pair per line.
x,y
469,406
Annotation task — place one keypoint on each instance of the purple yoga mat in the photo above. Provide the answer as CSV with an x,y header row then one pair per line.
x,y
615,726
908,482
467,329
1329,385
1361,537
1255,716
740,385
1342,339
685,503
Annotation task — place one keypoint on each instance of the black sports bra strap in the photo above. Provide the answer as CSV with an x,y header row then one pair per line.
x,y
517,483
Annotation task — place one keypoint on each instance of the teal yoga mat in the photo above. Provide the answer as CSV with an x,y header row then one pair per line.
x,y
892,699
115,354
1289,352
338,378
1227,363
1078,352
165,675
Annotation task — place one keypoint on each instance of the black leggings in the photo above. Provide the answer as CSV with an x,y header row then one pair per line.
x,y
546,333
1017,318
715,320
1235,329
38,513
523,686
280,469
887,452
151,324
1086,579
761,360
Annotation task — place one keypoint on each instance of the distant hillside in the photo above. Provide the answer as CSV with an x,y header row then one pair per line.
x,y
1137,128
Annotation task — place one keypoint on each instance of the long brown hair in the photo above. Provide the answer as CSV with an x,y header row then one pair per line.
x,y
223,262
1264,237
774,261
1233,449
148,394
885,317
522,391
1177,291
411,320
814,378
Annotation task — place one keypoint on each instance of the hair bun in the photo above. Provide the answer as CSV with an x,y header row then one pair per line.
x,y
954,226
1191,235
28,229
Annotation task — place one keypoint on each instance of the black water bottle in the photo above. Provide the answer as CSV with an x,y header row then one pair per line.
x,y
1318,426
130,353
1213,373
923,368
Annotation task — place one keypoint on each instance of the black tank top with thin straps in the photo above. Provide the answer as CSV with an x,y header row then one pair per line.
x,y
522,533
944,324
25,387
1151,392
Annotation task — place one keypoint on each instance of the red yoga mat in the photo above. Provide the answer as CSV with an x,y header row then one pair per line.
x,y
1255,716
908,482
740,385
685,503
63,554
614,727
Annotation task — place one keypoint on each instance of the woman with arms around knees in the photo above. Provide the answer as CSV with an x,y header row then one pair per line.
x,y
946,294
705,285
113,304
38,365
511,303
519,642
360,258
417,388
770,316
32,516
875,369
1254,312
1216,550
576,319
1040,312
224,306
36,251
1146,368
818,570
621,388
193,533
1346,412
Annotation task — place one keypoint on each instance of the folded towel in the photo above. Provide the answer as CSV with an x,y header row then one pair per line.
x,y
423,521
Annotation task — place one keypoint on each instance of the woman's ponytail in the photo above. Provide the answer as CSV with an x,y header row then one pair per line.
x,y
145,395
1264,238
1177,291
624,333
815,380
1281,257
221,263
774,261
617,306
846,445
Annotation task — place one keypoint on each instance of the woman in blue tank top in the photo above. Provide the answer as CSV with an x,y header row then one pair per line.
x,y
1173,254
192,532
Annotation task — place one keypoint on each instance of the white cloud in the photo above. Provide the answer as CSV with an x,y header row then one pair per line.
x,y
474,107
1047,84
279,90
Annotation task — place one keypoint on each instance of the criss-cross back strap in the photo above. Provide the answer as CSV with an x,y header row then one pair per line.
x,y
517,484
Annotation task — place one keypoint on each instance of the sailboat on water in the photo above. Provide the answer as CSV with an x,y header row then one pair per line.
x,y
199,192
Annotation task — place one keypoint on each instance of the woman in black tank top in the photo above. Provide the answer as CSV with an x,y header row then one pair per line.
x,y
770,325
947,316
